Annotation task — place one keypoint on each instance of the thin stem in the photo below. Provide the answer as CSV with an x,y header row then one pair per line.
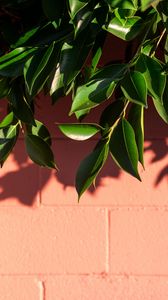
x,y
158,42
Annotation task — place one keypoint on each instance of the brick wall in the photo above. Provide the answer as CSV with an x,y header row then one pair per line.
x,y
111,246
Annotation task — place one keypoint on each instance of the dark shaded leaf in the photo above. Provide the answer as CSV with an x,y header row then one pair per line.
x,y
136,119
19,104
111,113
53,9
4,87
134,88
90,167
123,148
79,132
39,151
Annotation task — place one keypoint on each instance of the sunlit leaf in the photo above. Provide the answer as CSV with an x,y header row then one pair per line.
x,y
134,88
38,68
79,132
123,148
99,88
127,31
7,120
152,70
39,130
12,63
8,138
136,119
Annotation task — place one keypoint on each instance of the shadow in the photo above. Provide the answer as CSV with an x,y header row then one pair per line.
x,y
160,151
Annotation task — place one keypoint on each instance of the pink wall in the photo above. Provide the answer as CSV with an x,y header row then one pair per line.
x,y
111,246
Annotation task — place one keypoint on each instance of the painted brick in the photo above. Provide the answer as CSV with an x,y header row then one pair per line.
x,y
86,288
19,179
106,288
52,241
19,288
58,188
139,241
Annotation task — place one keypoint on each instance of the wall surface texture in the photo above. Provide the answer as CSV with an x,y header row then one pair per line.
x,y
113,245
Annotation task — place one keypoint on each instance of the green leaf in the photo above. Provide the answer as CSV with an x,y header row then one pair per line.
x,y
11,64
73,56
134,88
53,9
76,6
90,167
8,137
4,87
126,4
7,120
146,3
79,132
153,73
38,68
99,88
39,130
111,113
128,31
82,19
161,110
136,119
39,151
19,104
123,148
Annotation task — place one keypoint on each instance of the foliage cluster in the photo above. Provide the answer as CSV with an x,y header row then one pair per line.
x,y
44,46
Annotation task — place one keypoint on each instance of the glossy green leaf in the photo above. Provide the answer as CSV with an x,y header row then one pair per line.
x,y
4,87
111,113
39,151
38,68
8,138
53,9
161,110
79,132
146,3
8,119
126,4
39,130
129,30
152,70
90,167
136,119
19,104
76,6
123,148
134,88
82,19
11,64
99,88
72,58
23,39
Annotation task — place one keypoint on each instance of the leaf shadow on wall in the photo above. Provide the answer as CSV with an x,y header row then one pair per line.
x,y
23,181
